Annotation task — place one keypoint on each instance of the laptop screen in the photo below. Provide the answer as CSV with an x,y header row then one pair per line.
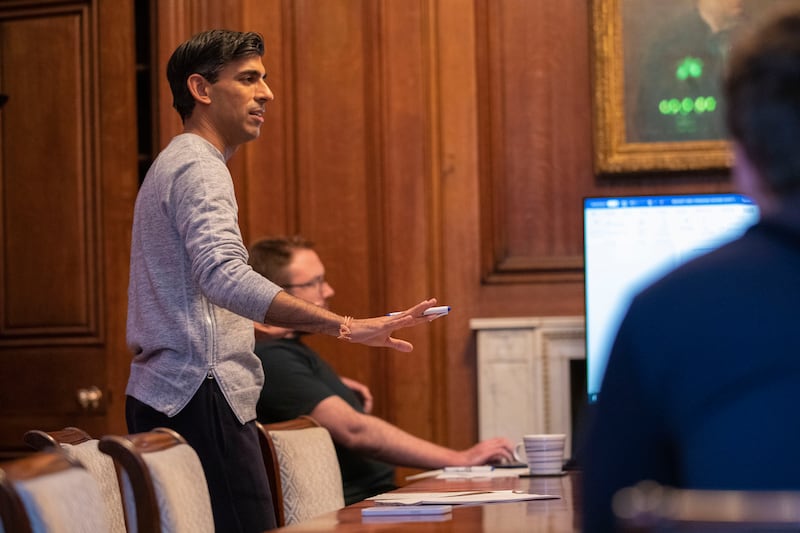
x,y
629,242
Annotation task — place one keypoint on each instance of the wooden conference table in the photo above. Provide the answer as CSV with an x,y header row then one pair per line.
x,y
556,515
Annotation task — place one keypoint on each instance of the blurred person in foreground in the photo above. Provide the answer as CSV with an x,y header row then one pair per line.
x,y
192,297
701,384
299,382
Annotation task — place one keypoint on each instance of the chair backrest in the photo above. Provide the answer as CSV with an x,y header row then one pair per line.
x,y
271,459
162,482
650,507
302,469
81,446
49,491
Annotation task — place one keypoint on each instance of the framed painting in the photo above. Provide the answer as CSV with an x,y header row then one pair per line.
x,y
658,66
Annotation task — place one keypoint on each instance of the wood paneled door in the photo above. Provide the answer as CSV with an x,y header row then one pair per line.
x,y
68,180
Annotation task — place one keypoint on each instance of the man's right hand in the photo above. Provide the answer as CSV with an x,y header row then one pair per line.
x,y
377,331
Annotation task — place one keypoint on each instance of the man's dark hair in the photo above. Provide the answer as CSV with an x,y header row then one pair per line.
x,y
762,91
207,53
270,257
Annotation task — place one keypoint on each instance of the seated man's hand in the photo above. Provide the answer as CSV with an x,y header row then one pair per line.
x,y
491,451
361,390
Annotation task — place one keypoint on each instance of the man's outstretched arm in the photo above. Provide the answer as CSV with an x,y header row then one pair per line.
x,y
287,311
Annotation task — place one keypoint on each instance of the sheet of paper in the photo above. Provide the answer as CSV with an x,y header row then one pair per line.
x,y
472,474
457,498
468,473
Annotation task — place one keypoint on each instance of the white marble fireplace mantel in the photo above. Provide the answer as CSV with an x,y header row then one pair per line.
x,y
524,374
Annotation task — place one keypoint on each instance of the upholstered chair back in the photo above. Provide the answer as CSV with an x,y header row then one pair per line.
x,y
49,491
304,472
162,482
79,445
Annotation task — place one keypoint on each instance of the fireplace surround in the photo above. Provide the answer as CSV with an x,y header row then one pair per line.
x,y
524,367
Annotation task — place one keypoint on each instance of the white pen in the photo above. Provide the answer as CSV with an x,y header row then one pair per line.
x,y
438,310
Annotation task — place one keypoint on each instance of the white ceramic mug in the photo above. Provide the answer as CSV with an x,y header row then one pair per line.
x,y
543,453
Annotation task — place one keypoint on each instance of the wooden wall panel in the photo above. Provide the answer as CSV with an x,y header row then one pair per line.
x,y
533,77
410,208
331,146
48,291
115,158
457,161
331,141
269,196
68,172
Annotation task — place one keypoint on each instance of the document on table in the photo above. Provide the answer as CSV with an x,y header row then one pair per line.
x,y
457,498
469,472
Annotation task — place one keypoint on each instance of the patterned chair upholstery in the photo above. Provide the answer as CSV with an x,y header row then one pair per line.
x,y
49,491
81,446
302,469
162,482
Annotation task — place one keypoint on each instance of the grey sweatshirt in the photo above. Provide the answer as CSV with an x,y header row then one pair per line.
x,y
192,297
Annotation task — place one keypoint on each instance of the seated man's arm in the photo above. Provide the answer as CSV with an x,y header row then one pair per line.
x,y
383,441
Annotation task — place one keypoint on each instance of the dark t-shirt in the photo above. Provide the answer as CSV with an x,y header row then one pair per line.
x,y
297,379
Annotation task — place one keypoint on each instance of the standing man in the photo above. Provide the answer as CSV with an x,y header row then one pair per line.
x,y
702,380
300,382
193,297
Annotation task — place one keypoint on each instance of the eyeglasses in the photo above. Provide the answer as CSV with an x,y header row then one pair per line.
x,y
316,283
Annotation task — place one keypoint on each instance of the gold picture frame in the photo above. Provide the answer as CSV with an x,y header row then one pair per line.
x,y
663,137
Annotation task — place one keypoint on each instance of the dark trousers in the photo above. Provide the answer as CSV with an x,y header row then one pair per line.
x,y
229,452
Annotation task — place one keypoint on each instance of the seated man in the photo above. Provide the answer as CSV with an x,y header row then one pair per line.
x,y
299,382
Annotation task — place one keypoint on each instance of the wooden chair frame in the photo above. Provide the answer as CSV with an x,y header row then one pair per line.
x,y
42,440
